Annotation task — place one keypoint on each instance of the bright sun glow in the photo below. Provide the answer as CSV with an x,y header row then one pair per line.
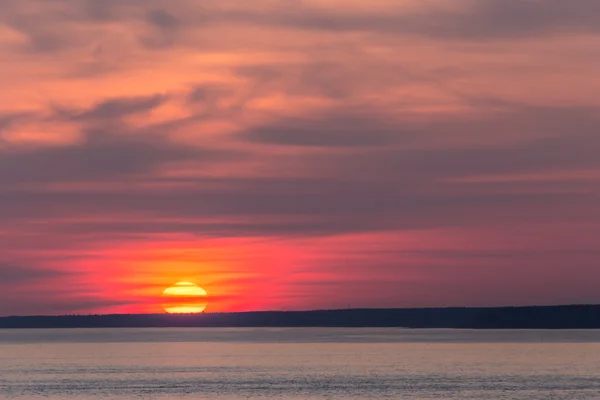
x,y
184,298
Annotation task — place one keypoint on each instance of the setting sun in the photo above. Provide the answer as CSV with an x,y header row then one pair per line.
x,y
184,298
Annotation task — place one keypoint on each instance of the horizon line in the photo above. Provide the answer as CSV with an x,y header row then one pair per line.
x,y
301,311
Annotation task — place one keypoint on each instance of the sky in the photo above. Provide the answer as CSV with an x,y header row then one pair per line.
x,y
298,154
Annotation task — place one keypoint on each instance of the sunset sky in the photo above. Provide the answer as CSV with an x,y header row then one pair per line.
x,y
298,154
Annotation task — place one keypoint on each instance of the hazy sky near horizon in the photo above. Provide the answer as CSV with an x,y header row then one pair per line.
x,y
298,154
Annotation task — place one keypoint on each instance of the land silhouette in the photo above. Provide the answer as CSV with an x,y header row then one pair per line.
x,y
541,317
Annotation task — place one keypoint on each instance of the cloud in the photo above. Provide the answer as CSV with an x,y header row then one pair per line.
x,y
8,120
382,175
100,156
165,29
100,10
109,149
208,94
513,18
63,25
162,19
115,108
340,129
468,20
534,139
17,274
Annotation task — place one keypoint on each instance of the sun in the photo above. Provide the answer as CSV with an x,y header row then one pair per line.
x,y
184,298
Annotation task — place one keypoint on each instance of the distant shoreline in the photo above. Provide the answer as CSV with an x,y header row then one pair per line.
x,y
531,317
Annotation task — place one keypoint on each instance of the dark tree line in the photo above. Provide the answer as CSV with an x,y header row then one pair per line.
x,y
550,317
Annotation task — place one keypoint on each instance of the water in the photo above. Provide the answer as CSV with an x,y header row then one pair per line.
x,y
228,364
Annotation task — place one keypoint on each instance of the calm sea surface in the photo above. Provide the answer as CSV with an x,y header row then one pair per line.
x,y
176,364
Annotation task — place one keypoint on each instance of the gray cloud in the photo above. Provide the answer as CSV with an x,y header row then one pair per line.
x,y
300,208
479,19
114,108
7,120
207,93
51,27
109,149
99,10
334,80
165,30
343,128
14,273
99,157
497,18
162,19
541,155
553,139
367,184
